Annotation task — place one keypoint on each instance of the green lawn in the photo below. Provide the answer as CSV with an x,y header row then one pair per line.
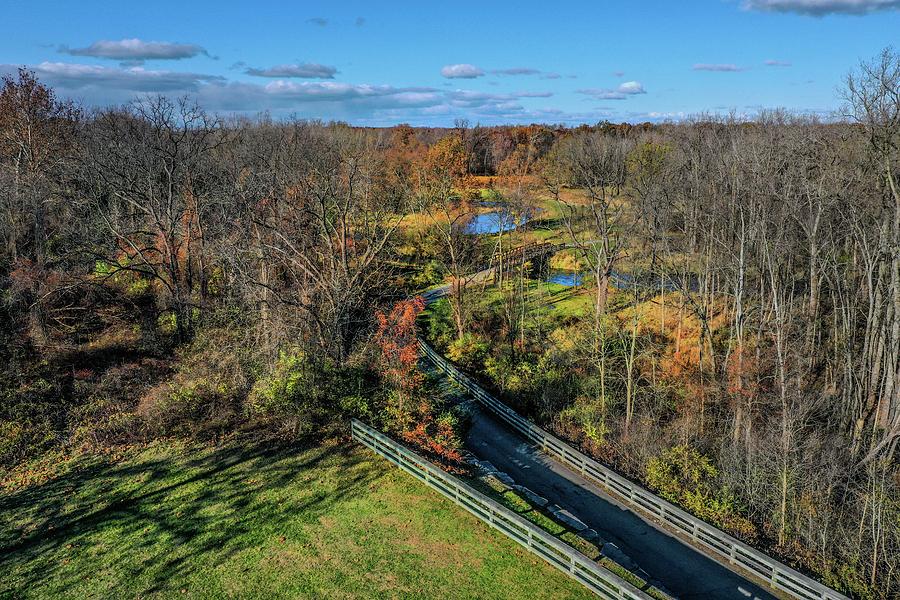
x,y
548,299
254,522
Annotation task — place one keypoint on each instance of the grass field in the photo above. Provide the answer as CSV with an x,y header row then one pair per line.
x,y
332,521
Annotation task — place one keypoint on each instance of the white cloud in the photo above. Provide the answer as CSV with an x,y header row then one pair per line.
x,y
97,85
78,77
632,87
461,71
718,67
777,63
135,50
303,71
820,8
628,88
666,115
602,94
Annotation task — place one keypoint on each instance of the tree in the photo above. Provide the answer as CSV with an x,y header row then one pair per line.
x,y
153,184
396,338
873,96
596,163
37,137
440,177
38,145
324,225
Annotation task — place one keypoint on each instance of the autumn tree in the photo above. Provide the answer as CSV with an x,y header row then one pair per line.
x,y
440,185
316,234
38,148
153,185
399,350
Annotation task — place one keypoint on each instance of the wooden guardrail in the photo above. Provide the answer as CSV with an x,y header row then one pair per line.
x,y
526,252
602,582
727,549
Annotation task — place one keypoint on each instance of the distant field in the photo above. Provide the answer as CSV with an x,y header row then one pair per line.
x,y
253,522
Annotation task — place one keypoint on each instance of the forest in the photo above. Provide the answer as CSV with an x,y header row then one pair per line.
x,y
731,339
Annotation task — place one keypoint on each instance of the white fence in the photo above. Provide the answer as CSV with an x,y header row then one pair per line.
x,y
722,546
602,582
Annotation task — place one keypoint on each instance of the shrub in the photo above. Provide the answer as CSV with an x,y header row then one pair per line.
x,y
18,440
357,406
431,274
587,415
849,579
290,392
490,195
119,276
468,351
439,328
516,377
206,393
684,476
436,435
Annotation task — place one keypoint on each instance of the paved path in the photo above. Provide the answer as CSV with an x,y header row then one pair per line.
x,y
677,566
680,568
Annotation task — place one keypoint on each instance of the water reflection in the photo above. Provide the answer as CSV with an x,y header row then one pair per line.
x,y
565,278
494,222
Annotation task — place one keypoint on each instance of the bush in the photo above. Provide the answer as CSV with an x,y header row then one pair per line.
x,y
490,195
439,328
19,440
849,579
289,392
509,375
28,410
107,416
431,274
588,416
469,351
684,476
436,434
206,394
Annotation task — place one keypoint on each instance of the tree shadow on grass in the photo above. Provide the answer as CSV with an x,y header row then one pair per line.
x,y
148,524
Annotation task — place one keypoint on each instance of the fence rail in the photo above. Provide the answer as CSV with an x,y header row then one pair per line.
x,y
527,251
602,582
726,548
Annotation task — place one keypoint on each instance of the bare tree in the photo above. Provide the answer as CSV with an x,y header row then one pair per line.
x,y
151,183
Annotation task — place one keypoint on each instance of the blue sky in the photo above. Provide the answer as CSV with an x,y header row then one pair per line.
x,y
428,63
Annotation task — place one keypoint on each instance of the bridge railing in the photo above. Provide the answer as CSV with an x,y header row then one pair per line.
x,y
602,582
727,549
529,250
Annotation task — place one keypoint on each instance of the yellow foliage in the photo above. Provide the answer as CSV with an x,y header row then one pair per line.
x,y
564,338
566,261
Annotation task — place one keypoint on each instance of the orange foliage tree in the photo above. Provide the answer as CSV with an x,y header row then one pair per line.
x,y
396,337
414,415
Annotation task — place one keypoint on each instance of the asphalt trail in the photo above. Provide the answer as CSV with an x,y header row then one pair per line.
x,y
680,568
674,564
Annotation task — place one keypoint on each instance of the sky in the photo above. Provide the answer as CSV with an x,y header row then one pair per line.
x,y
429,63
